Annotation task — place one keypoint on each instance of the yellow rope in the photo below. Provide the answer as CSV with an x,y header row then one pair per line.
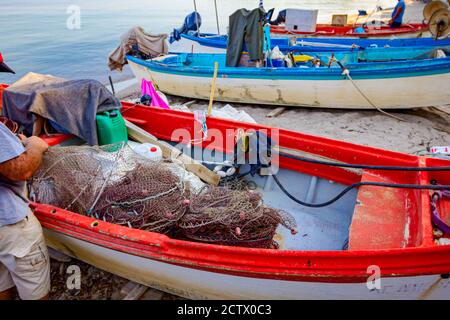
x,y
347,73
381,110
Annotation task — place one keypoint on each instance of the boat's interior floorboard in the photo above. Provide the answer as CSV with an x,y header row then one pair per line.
x,y
324,228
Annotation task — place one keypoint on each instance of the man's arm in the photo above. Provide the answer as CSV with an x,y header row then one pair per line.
x,y
397,12
24,166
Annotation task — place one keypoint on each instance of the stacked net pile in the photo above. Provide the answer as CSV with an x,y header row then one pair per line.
x,y
114,184
111,183
233,217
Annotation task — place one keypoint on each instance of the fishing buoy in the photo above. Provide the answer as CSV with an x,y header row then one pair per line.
x,y
221,174
231,171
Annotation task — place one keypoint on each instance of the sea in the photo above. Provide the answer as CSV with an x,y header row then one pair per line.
x,y
73,39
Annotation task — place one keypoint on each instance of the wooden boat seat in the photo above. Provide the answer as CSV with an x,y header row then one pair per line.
x,y
379,221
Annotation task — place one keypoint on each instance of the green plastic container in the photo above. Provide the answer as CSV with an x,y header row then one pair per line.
x,y
111,128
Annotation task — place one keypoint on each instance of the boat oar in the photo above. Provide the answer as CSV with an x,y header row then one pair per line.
x,y
213,88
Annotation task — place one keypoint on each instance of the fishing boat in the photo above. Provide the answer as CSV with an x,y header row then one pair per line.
x,y
213,43
380,232
334,255
350,31
390,79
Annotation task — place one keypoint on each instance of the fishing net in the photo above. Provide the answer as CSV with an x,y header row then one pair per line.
x,y
114,184
233,217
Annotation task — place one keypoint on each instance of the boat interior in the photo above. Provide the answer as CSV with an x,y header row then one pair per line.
x,y
363,59
332,42
366,218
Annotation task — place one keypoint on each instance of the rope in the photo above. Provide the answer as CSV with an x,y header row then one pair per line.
x,y
436,218
347,74
364,166
355,185
119,154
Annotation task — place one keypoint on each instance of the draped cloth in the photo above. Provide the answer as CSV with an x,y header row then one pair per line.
x,y
70,104
148,88
152,45
245,28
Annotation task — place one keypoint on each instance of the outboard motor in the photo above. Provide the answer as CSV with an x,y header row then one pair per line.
x,y
192,22
280,19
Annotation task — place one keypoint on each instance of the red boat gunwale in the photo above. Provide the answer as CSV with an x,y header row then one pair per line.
x,y
313,266
422,257
348,30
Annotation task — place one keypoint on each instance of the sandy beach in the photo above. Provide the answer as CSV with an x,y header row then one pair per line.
x,y
423,128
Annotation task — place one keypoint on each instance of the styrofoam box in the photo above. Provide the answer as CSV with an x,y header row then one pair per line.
x,y
301,20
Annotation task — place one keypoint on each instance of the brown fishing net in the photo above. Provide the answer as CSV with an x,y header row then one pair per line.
x,y
232,217
114,184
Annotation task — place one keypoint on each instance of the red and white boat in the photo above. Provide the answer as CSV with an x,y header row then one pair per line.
x,y
348,31
335,253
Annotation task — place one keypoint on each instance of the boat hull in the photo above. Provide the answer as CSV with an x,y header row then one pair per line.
x,y
187,45
210,43
198,284
387,93
192,283
381,32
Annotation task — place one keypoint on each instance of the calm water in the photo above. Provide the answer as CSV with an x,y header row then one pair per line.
x,y
34,36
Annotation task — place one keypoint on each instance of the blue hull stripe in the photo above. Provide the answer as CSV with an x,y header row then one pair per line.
x,y
221,43
373,70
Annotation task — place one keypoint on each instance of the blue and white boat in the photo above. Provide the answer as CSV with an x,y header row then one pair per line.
x,y
385,78
211,43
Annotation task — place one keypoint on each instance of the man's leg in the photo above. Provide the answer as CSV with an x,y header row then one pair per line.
x,y
395,25
7,291
31,271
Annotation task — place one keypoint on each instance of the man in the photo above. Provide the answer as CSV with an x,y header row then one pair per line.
x,y
397,15
24,261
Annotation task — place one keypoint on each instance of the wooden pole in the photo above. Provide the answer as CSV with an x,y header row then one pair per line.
x,y
213,88
217,17
196,20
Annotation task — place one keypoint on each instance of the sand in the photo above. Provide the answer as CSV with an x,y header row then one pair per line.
x,y
365,127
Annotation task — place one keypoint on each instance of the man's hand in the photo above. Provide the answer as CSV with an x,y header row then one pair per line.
x,y
24,166
36,143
